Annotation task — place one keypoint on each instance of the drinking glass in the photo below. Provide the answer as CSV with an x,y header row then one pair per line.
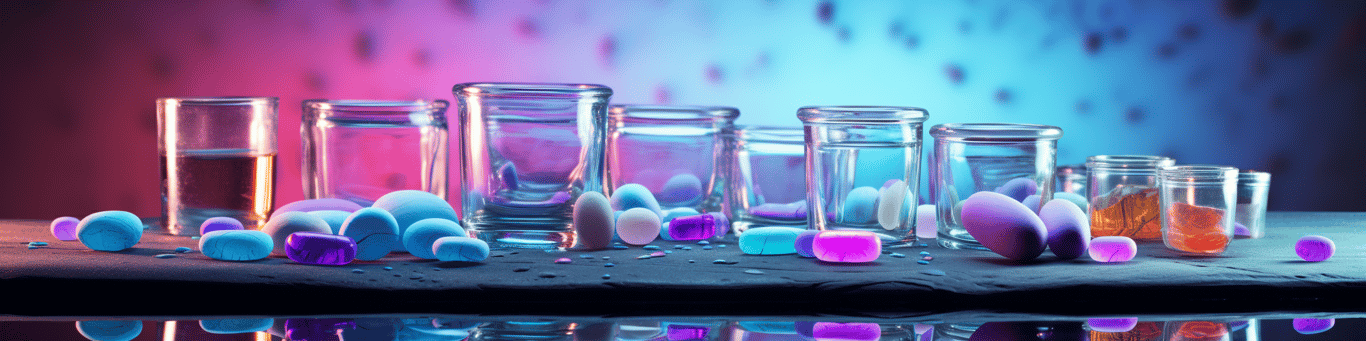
x,y
217,160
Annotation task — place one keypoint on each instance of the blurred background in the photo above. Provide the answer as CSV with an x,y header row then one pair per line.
x,y
1278,86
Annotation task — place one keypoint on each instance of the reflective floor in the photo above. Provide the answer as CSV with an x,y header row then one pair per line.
x,y
961,326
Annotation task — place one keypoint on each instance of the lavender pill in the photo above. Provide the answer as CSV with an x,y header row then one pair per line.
x,y
320,248
64,228
219,224
1315,248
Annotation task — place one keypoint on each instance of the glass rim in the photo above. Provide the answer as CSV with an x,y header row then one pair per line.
x,y
995,131
1199,172
1128,161
861,114
1254,177
553,90
224,100
771,133
368,105
672,112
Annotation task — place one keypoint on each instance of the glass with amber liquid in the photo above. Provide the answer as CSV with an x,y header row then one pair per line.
x,y
1197,208
217,160
1122,192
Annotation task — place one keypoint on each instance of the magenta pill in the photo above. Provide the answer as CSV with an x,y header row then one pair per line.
x,y
219,224
1112,249
320,248
1309,326
64,228
695,227
856,331
846,246
1112,325
1315,248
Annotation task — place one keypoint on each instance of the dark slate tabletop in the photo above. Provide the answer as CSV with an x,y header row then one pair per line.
x,y
65,278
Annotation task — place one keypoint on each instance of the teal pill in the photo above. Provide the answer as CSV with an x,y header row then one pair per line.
x,y
420,237
374,230
630,196
109,330
769,327
236,245
860,207
772,240
109,231
281,225
236,326
460,249
334,219
410,206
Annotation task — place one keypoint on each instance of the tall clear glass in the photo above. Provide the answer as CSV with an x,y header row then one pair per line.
x,y
682,154
1197,208
975,157
1123,195
770,178
217,160
1253,188
863,169
528,152
359,150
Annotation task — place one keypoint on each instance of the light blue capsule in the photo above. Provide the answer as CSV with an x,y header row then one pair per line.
x,y
460,249
630,196
860,207
374,230
420,237
236,326
109,330
109,231
236,245
334,219
771,240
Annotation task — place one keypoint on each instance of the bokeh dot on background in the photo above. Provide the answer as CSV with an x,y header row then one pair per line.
x,y
1270,85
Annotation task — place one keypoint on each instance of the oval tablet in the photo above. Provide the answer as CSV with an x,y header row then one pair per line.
x,y
236,326
1112,325
593,221
1004,226
460,249
1314,248
411,206
420,237
803,243
324,204
334,218
280,226
770,240
860,207
925,225
320,248
1069,231
892,205
846,246
109,330
236,245
1019,189
638,226
1308,326
109,231
64,228
855,331
374,230
630,196
681,190
1113,249
219,224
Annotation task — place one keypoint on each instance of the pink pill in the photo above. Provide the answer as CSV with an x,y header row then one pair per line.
x,y
1112,325
1314,248
219,224
846,246
1113,249
64,228
846,331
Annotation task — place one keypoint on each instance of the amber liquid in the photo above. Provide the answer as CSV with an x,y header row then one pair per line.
x,y
203,184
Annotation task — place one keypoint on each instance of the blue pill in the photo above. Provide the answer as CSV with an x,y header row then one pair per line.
x,y
772,240
109,231
672,213
410,206
804,243
109,330
236,326
64,228
630,196
508,173
374,230
281,225
219,223
420,237
183,249
860,207
681,190
236,245
460,249
37,243
165,255
334,219
769,327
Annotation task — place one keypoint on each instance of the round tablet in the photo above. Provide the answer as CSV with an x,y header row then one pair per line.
x,y
411,206
681,189
109,231
374,230
638,226
109,330
236,245
219,224
64,228
630,196
280,226
860,207
420,237
593,220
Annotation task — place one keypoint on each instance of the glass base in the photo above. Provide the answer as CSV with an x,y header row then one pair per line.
x,y
950,242
517,239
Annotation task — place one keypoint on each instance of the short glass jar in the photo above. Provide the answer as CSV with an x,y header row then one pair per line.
x,y
1123,195
1253,188
769,187
359,150
682,154
863,169
1014,159
1197,208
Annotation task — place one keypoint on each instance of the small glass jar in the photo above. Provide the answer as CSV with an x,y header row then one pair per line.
x,y
682,154
975,157
359,150
1070,179
1196,331
769,187
1123,198
1197,208
528,151
863,169
1253,187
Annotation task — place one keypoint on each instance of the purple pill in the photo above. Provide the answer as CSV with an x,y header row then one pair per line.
x,y
508,173
1315,248
789,211
682,189
681,332
846,331
1019,188
696,227
64,228
722,223
1308,326
317,329
320,248
846,246
1112,249
324,204
804,243
219,224
1112,325
1241,230
993,331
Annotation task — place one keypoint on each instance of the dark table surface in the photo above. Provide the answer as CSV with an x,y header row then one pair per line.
x,y
1255,275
